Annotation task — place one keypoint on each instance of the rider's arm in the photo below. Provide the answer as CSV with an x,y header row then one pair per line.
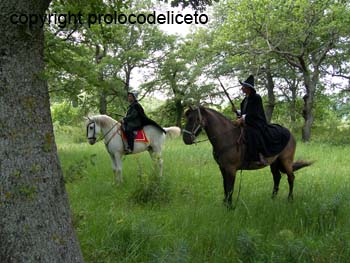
x,y
132,115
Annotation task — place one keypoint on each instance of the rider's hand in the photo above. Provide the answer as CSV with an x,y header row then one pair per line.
x,y
239,122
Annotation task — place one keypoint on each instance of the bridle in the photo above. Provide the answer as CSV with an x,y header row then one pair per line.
x,y
200,125
87,131
93,137
195,128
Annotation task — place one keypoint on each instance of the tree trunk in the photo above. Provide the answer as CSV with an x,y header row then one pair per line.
x,y
35,218
270,95
179,110
293,107
310,87
308,118
99,55
103,102
127,69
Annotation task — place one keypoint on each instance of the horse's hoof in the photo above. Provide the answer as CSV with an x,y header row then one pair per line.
x,y
118,182
274,195
228,204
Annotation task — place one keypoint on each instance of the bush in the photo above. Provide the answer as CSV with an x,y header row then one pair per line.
x,y
64,114
74,134
152,189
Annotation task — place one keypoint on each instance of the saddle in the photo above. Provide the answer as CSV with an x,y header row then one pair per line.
x,y
139,136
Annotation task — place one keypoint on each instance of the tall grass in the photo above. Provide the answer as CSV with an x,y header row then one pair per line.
x,y
181,218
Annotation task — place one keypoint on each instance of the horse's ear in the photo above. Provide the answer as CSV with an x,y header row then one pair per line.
x,y
191,103
87,118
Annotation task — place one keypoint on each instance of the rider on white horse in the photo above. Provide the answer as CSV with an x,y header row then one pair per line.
x,y
134,120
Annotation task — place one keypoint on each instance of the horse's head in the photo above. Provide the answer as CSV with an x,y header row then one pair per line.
x,y
194,125
92,128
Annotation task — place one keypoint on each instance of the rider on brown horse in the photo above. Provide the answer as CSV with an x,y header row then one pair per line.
x,y
262,139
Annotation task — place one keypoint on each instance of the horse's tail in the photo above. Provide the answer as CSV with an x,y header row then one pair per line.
x,y
300,164
296,165
172,132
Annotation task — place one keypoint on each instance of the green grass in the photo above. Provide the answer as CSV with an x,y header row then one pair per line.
x,y
181,218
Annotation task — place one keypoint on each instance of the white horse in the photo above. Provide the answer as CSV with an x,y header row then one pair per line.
x,y
110,131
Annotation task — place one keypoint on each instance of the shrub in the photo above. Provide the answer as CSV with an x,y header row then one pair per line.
x,y
152,189
64,114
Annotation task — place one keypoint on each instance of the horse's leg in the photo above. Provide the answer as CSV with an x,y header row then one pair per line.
x,y
290,182
118,168
157,161
286,160
274,167
229,176
288,166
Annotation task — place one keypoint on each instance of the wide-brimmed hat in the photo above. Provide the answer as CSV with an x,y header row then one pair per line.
x,y
249,82
134,93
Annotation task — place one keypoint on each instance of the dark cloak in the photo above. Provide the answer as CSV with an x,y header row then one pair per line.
x,y
136,118
259,136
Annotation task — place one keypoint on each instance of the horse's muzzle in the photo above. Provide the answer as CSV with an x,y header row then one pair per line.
x,y
188,139
92,141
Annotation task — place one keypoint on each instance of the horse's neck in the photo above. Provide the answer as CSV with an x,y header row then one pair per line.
x,y
217,127
109,126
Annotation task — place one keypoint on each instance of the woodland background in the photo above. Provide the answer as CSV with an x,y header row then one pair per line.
x,y
58,202
297,51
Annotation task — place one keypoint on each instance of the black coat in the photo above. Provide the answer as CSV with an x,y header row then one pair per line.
x,y
254,111
136,118
261,137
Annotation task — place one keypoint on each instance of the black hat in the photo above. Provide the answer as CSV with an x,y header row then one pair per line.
x,y
133,93
248,83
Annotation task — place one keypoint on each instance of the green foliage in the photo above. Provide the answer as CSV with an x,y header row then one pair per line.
x,y
247,242
64,114
165,114
75,134
75,171
332,135
285,41
200,5
94,65
282,115
151,190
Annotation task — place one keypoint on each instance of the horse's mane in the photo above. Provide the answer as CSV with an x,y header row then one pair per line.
x,y
103,120
219,114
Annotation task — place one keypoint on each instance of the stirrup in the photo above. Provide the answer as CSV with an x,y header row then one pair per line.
x,y
127,150
262,160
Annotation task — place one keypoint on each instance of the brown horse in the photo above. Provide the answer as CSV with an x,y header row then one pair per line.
x,y
228,149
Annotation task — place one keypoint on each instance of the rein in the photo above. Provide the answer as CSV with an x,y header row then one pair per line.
x,y
196,129
104,135
200,126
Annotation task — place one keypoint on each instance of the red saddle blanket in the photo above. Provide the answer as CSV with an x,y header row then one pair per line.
x,y
139,137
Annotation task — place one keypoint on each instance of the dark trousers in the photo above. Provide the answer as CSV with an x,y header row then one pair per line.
x,y
254,142
130,135
130,138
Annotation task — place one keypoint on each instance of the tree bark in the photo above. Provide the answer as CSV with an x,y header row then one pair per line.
x,y
179,111
310,87
293,105
35,221
99,55
270,94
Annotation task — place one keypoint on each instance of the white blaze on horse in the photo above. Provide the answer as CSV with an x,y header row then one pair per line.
x,y
104,127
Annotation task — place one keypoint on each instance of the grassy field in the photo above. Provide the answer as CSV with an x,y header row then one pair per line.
x,y
181,217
